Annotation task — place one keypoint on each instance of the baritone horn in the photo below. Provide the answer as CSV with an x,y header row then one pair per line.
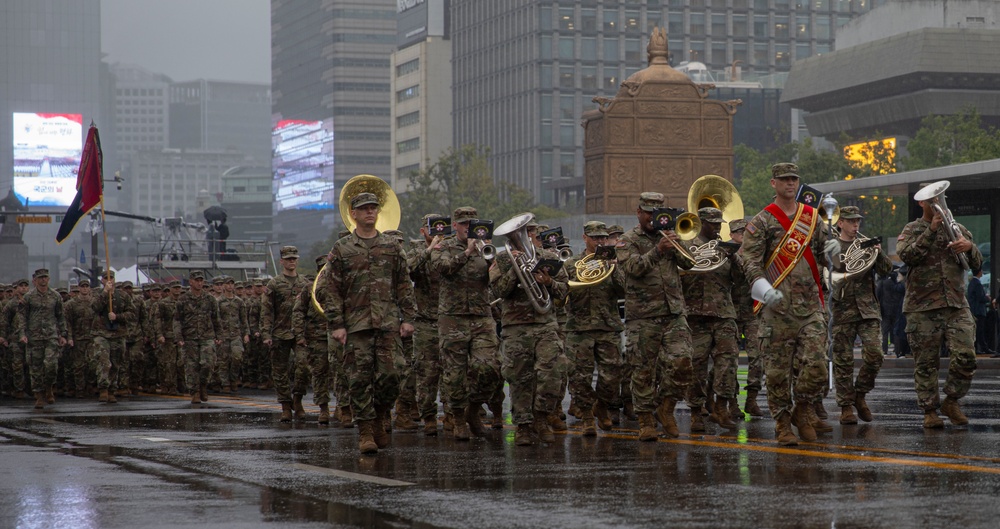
x,y
934,193
524,263
388,215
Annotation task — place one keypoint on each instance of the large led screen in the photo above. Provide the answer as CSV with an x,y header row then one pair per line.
x,y
47,150
303,165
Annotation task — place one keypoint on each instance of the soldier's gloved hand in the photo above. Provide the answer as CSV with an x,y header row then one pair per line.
x,y
763,292
831,248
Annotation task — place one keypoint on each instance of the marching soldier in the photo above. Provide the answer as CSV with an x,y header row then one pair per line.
x,y
131,372
42,328
593,329
276,331
746,322
855,313
615,231
712,319
235,334
197,329
369,309
533,359
15,355
937,311
168,357
309,326
113,310
793,323
467,331
258,367
426,341
79,313
659,339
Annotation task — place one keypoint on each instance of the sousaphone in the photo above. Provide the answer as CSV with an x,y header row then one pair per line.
x,y
388,216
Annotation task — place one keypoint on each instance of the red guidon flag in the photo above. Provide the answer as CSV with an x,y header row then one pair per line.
x,y
89,185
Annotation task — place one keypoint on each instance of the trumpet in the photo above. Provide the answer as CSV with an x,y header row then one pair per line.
x,y
934,193
687,226
565,254
486,250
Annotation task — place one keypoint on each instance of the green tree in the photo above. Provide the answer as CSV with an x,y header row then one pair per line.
x,y
947,140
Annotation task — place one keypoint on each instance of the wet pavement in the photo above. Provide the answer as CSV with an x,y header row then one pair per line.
x,y
158,461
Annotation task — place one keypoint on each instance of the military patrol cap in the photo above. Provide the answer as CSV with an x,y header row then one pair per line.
x,y
532,223
20,282
736,225
464,214
74,288
648,201
362,199
174,283
196,274
595,228
230,280
710,214
110,274
320,261
289,252
41,272
784,170
127,284
218,280
428,217
851,212
62,290
615,228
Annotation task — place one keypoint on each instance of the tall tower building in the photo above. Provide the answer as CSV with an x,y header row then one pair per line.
x,y
221,115
330,64
421,88
524,71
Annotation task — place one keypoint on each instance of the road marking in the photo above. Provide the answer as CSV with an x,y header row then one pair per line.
x,y
48,421
351,475
158,439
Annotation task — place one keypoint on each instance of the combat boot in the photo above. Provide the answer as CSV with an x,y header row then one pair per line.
x,y
601,414
111,398
558,425
203,393
587,422
300,412
697,421
195,399
820,410
802,420
378,428
496,408
629,411
817,423
734,410
864,413
665,414
525,435
542,427
366,438
751,405
39,400
324,414
474,421
403,420
931,419
50,396
286,411
783,430
346,417
460,424
647,427
720,414
574,410
431,426
847,415
103,397
950,408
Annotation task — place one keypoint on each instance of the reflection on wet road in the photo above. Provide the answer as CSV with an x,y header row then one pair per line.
x,y
158,461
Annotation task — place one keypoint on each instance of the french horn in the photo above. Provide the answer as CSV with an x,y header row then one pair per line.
x,y
858,260
591,271
388,216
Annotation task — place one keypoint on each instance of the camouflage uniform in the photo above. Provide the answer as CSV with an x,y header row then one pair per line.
x,y
659,338
593,336
229,354
79,314
426,340
310,329
335,351
794,330
108,351
167,357
856,313
276,325
468,337
533,361
256,367
40,319
937,311
130,373
369,294
196,323
712,318
14,355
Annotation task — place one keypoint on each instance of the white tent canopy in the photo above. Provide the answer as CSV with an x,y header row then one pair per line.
x,y
133,274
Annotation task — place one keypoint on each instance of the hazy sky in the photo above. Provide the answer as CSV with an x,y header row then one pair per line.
x,y
224,40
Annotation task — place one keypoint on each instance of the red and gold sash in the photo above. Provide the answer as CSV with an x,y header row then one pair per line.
x,y
793,247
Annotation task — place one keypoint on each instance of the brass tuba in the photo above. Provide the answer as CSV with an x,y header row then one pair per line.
x,y
388,216
717,192
934,193
859,258
516,231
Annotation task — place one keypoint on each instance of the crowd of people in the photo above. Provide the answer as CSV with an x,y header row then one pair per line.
x,y
394,327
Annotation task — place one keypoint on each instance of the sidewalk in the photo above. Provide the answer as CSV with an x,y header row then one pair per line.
x,y
983,362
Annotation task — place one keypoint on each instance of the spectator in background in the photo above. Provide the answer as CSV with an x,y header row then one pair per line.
x,y
890,291
900,342
979,303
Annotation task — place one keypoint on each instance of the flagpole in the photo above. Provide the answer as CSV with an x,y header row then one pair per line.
x,y
107,255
